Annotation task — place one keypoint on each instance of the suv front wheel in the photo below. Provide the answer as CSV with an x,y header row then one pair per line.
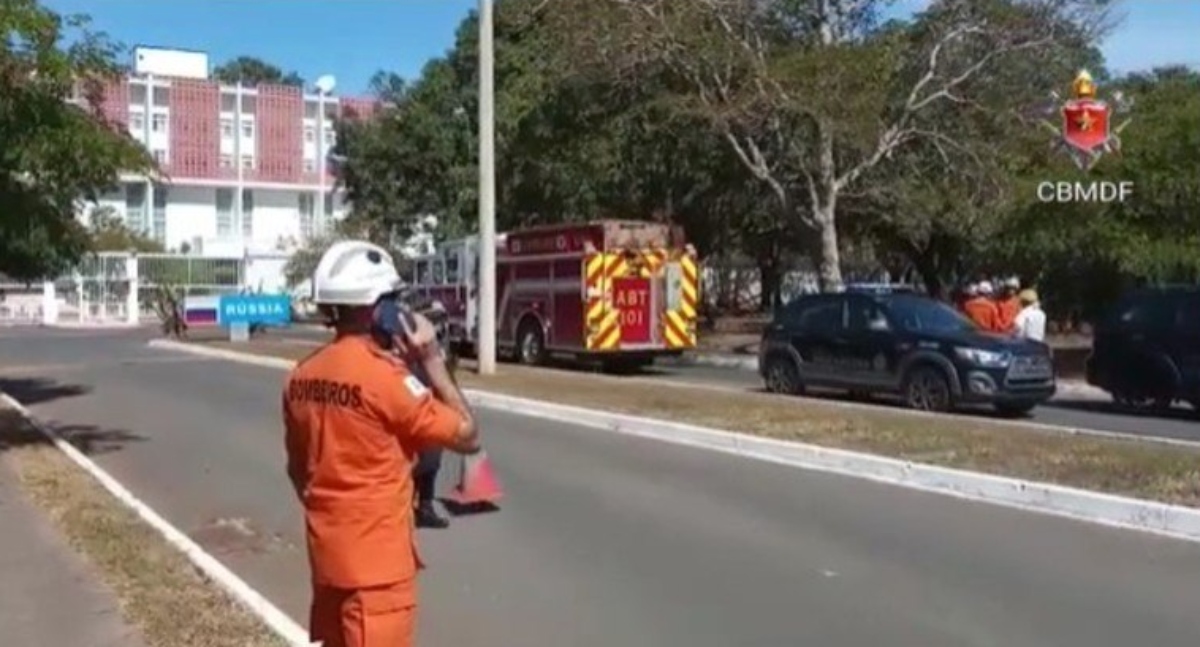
x,y
782,375
927,389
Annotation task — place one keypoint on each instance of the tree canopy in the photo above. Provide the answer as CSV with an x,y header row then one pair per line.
x,y
252,71
109,233
56,146
801,133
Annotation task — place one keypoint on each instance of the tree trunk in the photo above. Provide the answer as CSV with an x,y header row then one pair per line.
x,y
770,282
932,279
829,257
825,197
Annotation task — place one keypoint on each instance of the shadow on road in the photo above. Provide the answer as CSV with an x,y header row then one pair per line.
x,y
89,439
36,390
15,432
1181,413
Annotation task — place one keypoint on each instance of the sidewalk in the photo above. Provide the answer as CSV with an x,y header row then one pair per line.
x,y
48,594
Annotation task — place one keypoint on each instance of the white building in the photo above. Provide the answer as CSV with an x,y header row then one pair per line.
x,y
244,169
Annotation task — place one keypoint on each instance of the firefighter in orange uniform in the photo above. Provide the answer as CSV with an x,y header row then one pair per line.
x,y
356,418
1007,304
981,308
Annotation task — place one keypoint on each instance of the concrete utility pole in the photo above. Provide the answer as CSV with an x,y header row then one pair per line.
x,y
487,193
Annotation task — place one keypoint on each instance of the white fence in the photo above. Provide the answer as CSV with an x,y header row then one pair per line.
x,y
117,288
738,288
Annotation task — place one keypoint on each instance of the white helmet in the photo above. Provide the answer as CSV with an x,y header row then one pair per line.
x,y
971,289
985,288
1012,282
354,273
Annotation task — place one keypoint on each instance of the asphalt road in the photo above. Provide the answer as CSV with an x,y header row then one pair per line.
x,y
1077,412
606,540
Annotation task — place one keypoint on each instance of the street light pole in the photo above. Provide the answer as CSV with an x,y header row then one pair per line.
x,y
487,193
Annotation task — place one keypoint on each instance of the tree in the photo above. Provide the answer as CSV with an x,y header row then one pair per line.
x,y
1085,254
808,93
303,261
251,71
53,152
570,147
109,234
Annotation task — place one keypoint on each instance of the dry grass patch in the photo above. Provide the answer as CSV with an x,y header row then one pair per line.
x,y
161,592
1146,470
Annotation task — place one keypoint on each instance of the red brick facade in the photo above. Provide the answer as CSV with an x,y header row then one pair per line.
x,y
280,139
194,147
194,127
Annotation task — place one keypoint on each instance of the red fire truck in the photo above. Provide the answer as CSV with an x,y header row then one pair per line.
x,y
621,292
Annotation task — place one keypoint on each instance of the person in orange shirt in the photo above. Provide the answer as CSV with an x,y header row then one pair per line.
x,y
356,418
981,308
1008,305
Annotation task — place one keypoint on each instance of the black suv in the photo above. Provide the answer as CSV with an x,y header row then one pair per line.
x,y
1146,351
907,344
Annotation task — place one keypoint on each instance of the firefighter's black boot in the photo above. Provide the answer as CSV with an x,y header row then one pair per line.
x,y
427,516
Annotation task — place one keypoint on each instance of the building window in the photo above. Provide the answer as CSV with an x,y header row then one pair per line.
x,y
158,225
227,128
135,206
247,129
247,213
248,162
307,207
226,161
224,213
310,166
160,156
158,123
137,122
310,134
330,137
327,216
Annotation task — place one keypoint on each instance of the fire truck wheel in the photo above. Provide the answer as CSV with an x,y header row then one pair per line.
x,y
531,345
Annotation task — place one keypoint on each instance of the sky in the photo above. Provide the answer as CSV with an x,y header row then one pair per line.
x,y
352,39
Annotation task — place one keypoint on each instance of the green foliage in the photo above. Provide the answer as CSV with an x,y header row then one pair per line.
x,y
303,262
772,131
251,72
53,152
109,234
1085,254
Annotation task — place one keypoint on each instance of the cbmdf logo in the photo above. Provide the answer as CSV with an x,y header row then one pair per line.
x,y
1086,132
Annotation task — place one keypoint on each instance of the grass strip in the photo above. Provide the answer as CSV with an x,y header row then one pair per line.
x,y
1153,471
161,593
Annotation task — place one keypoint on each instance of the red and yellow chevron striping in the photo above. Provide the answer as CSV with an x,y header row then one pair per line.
x,y
689,304
677,333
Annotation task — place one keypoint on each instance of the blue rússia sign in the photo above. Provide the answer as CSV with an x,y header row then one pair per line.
x,y
269,309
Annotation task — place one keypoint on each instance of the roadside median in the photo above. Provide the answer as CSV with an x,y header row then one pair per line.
x,y
1166,473
161,592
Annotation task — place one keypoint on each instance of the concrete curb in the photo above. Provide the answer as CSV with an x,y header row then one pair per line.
x,y
1116,511
278,621
1069,388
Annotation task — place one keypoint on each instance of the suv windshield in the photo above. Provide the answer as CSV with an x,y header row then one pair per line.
x,y
919,314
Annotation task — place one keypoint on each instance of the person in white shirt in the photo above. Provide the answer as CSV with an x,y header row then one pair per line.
x,y
1030,322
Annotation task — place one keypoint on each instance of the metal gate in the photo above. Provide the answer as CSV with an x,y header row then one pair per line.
x,y
98,290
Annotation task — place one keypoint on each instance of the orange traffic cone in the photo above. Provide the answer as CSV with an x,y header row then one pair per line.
x,y
477,483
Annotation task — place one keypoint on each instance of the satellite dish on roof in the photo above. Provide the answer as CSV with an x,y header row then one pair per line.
x,y
326,83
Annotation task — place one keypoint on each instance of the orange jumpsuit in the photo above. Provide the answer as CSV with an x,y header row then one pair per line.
x,y
983,312
1007,309
355,420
